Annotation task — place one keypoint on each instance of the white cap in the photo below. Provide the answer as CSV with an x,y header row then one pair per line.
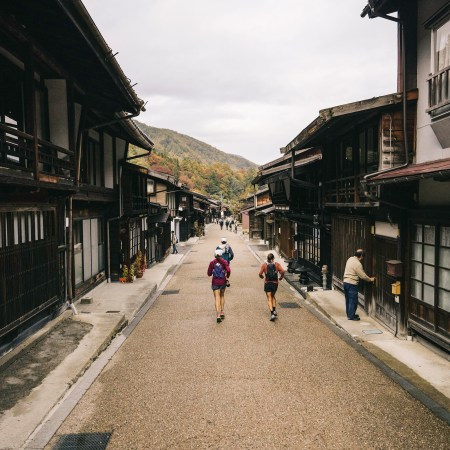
x,y
218,252
223,240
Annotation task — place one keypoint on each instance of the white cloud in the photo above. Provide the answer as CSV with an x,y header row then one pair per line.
x,y
247,76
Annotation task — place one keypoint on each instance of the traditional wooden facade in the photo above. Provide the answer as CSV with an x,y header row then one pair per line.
x,y
63,134
159,187
424,179
356,140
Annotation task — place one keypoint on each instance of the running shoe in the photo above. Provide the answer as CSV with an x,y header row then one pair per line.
x,y
272,317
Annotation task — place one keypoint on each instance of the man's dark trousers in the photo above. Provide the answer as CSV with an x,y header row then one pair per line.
x,y
351,299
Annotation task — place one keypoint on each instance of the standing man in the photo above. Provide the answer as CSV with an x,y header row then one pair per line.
x,y
270,270
220,271
174,241
353,272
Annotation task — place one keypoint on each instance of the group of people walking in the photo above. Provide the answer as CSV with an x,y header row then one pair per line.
x,y
219,269
272,273
230,223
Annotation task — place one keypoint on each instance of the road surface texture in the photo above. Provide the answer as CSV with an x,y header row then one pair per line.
x,y
182,381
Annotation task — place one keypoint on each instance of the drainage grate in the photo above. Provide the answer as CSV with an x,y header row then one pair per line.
x,y
175,291
372,332
112,312
289,305
83,441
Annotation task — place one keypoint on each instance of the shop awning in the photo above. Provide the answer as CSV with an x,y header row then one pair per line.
x,y
265,211
439,170
159,218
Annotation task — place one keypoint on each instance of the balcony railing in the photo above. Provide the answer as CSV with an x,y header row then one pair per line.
x,y
17,152
346,191
438,90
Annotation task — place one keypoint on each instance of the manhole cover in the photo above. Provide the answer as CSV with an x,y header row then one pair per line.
x,y
289,305
83,441
372,332
175,291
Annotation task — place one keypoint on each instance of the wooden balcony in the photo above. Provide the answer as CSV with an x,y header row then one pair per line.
x,y
44,162
347,192
438,91
135,205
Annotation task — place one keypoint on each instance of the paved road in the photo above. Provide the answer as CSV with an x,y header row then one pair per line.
x,y
183,381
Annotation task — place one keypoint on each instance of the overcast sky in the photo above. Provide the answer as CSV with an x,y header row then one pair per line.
x,y
246,76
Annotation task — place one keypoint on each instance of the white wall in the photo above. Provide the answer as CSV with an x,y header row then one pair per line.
x,y
57,111
108,157
428,146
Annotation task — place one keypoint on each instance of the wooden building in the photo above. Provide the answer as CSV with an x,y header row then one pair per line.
x,y
64,134
419,188
356,140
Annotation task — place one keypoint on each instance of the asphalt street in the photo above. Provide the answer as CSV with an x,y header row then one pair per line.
x,y
182,381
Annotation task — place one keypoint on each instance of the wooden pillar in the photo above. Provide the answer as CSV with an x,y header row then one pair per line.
x,y
30,107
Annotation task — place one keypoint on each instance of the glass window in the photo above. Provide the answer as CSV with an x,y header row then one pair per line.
x,y
101,246
445,237
429,254
78,251
444,257
417,252
416,290
417,271
429,234
430,267
428,294
444,278
418,233
444,300
428,274
442,47
150,186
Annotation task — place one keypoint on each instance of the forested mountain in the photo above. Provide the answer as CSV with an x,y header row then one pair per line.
x,y
181,146
199,166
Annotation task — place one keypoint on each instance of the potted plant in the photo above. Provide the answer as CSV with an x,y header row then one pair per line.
x,y
138,265
143,263
131,273
124,277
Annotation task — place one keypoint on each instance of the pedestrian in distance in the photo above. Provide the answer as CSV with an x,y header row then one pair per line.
x,y
272,273
227,251
221,223
174,241
220,271
353,273
227,223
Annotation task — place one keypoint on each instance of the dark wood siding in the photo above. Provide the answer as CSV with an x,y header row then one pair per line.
x,y
29,265
348,234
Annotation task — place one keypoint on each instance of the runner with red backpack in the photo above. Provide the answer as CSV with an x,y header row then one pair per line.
x,y
270,270
220,271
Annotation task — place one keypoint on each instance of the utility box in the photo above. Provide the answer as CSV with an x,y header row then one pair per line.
x,y
396,288
394,268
